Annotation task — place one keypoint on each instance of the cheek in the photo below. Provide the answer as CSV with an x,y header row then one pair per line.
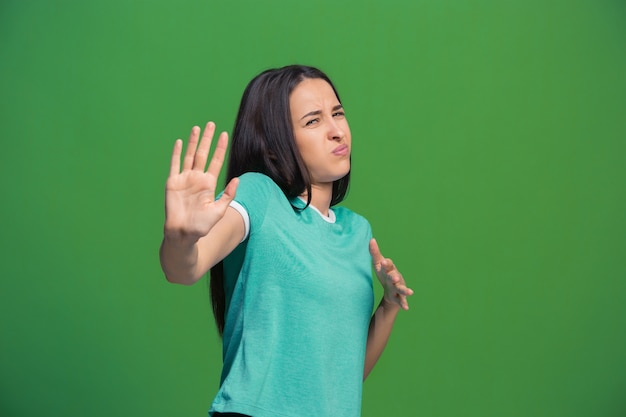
x,y
306,145
310,155
306,156
346,130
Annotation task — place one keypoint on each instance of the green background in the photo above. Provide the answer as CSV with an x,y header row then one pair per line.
x,y
489,156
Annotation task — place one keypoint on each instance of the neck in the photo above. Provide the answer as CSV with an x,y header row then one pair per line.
x,y
321,195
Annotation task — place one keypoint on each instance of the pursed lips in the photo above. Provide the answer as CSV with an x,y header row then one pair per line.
x,y
341,150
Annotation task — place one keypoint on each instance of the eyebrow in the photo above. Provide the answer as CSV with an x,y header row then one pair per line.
x,y
317,112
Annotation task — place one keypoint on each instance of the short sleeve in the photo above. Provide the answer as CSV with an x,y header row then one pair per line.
x,y
244,215
254,194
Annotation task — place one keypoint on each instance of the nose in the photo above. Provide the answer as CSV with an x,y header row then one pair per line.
x,y
335,132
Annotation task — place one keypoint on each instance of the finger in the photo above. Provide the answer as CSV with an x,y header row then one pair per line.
x,y
399,300
377,257
218,155
404,303
191,148
202,152
395,278
175,162
404,290
229,193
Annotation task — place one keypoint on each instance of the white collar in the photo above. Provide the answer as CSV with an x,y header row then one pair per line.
x,y
331,218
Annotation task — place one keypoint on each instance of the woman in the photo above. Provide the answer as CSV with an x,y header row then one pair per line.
x,y
291,274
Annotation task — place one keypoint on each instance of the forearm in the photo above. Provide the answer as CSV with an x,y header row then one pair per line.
x,y
185,259
380,328
179,260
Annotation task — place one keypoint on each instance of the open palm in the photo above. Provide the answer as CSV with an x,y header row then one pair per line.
x,y
190,206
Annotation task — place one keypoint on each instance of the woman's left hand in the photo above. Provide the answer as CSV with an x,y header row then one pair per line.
x,y
391,279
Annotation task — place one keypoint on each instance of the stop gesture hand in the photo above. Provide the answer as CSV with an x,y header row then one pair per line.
x,y
190,207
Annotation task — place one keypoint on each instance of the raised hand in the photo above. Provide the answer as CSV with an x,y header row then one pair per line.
x,y
391,279
190,207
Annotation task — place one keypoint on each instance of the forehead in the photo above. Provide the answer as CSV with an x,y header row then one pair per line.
x,y
312,91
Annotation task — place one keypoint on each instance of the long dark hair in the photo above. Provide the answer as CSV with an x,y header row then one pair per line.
x,y
263,141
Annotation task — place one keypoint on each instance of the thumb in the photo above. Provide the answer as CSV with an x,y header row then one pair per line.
x,y
229,193
377,257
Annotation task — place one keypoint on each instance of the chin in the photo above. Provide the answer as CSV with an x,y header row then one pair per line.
x,y
340,176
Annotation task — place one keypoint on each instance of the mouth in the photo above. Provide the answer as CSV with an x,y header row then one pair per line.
x,y
341,150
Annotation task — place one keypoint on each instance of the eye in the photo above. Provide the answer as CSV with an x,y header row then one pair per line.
x,y
339,113
312,121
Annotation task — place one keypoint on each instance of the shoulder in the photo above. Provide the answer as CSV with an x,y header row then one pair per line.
x,y
257,179
346,216
257,185
257,192
344,212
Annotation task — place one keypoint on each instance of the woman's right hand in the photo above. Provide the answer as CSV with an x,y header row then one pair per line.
x,y
190,207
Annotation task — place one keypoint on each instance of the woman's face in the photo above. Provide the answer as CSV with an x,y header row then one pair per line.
x,y
321,130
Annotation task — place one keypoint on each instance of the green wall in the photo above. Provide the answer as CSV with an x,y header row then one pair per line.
x,y
490,158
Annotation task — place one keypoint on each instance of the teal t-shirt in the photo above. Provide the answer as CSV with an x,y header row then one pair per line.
x,y
299,299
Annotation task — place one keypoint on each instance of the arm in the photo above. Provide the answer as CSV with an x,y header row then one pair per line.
x,y
384,317
198,231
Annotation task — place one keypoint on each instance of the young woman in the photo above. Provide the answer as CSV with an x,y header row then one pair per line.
x,y
291,273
